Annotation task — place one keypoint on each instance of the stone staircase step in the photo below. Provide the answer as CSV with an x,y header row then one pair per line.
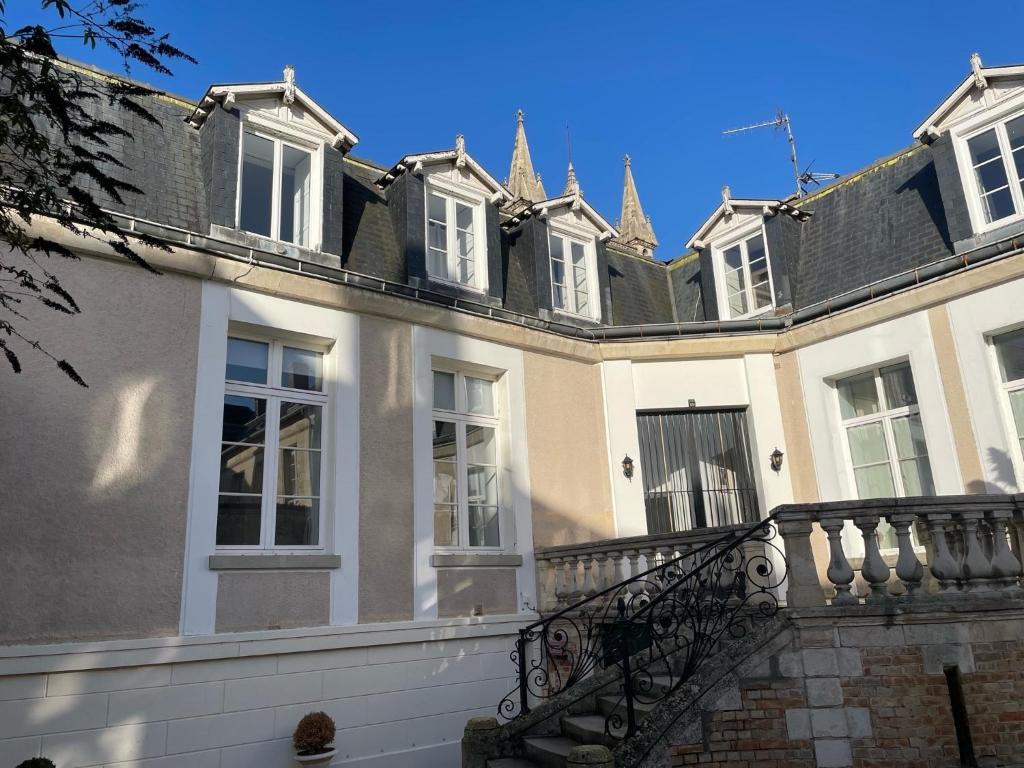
x,y
589,729
511,762
617,703
549,751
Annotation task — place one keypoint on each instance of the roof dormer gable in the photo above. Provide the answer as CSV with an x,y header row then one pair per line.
x,y
984,89
281,107
730,217
454,166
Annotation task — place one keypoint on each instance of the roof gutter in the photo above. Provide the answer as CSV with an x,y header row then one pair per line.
x,y
962,261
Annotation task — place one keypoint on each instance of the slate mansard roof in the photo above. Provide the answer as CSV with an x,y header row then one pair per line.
x,y
879,222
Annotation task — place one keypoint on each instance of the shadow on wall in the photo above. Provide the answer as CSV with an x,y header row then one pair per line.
x,y
95,481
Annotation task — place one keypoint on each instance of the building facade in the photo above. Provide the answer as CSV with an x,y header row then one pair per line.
x,y
317,455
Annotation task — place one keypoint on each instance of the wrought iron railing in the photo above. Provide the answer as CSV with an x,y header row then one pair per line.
x,y
658,627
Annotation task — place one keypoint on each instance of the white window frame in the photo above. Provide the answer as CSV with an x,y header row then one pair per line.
x,y
996,116
316,163
570,235
275,394
1005,388
886,417
453,193
462,418
741,239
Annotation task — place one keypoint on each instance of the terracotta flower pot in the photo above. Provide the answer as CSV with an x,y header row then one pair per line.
x,y
319,759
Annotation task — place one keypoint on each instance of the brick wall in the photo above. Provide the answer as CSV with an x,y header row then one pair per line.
x,y
870,691
755,735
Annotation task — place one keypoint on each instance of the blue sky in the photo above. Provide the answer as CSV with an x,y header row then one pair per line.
x,y
659,80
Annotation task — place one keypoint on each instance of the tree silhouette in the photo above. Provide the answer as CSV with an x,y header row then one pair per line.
x,y
57,153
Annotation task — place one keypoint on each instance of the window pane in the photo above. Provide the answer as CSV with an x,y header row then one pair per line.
x,y
1017,409
738,304
302,369
733,258
874,482
238,521
480,445
479,396
437,261
984,147
483,527
558,273
245,419
296,168
465,238
558,296
991,176
446,526
463,217
444,390
898,385
857,396
297,523
867,444
438,209
1010,352
300,425
998,205
557,251
908,434
247,361
298,472
917,477
257,184
1015,132
482,485
762,295
755,251
241,468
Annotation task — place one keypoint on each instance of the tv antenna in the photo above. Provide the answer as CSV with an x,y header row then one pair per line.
x,y
812,177
781,122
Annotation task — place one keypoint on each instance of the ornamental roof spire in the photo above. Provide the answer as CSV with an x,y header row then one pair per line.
x,y
523,183
635,229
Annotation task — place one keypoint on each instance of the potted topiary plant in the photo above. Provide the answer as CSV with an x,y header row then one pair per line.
x,y
313,737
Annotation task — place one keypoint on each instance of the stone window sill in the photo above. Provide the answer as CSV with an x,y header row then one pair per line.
x,y
455,560
274,562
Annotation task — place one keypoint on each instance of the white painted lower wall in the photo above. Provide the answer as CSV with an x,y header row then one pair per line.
x,y
400,696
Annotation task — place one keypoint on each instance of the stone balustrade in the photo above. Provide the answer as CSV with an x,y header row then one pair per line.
x,y
946,546
574,572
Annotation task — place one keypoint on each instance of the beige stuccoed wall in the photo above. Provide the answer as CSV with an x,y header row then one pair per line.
x,y
568,451
94,482
475,591
385,471
272,600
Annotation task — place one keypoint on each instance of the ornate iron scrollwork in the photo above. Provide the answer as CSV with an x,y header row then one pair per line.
x,y
658,627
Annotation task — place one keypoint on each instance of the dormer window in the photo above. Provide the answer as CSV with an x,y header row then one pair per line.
x,y
746,278
453,225
570,278
996,156
276,189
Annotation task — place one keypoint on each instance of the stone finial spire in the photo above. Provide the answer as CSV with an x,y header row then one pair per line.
x,y
289,84
635,229
523,183
572,186
976,71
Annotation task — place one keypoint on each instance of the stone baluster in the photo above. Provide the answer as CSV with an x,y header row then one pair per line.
x,y
633,555
605,570
575,584
839,572
1006,567
803,590
590,576
944,567
977,568
665,555
621,567
874,570
650,582
561,590
908,568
